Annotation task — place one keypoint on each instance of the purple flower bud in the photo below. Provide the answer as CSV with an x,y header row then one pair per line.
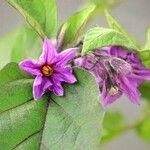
x,y
117,72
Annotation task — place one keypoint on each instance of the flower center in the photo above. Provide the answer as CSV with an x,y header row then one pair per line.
x,y
111,85
47,70
113,90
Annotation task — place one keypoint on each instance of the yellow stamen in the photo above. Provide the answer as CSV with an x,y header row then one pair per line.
x,y
113,90
47,70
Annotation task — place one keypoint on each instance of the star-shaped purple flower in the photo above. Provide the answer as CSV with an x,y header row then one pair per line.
x,y
51,70
117,71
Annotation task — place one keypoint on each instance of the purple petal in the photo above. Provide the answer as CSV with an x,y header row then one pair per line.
x,y
79,61
56,87
133,58
100,72
67,55
30,66
104,51
107,98
64,74
87,61
119,52
130,89
40,85
140,72
49,52
58,90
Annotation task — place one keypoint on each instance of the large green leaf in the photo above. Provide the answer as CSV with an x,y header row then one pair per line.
x,y
40,14
69,122
113,124
23,43
20,117
100,37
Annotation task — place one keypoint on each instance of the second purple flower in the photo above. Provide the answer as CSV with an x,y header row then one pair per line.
x,y
117,71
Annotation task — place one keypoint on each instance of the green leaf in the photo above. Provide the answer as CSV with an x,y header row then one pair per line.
x,y
20,117
145,52
69,122
23,43
100,37
114,24
147,44
74,26
144,89
75,120
40,14
113,124
145,57
12,72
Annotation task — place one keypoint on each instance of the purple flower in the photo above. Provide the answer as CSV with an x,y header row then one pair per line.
x,y
117,71
50,70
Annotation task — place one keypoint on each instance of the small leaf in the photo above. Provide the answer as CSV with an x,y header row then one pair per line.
x,y
145,52
100,37
74,26
144,89
145,57
114,24
70,122
113,124
40,14
147,44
